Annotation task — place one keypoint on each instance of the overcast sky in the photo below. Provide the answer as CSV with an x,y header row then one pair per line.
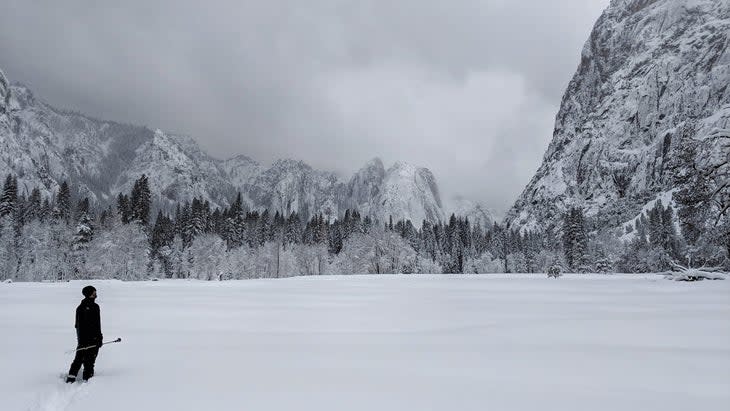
x,y
467,88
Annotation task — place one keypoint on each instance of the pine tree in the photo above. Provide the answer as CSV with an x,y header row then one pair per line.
x,y
575,239
262,229
45,210
83,235
320,230
335,242
197,218
293,229
670,241
500,245
62,211
9,252
162,234
123,208
141,201
9,196
187,228
367,223
703,195
33,207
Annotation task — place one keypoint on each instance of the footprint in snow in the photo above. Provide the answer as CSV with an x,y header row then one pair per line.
x,y
60,397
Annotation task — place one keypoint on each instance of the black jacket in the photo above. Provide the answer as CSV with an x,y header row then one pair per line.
x,y
88,322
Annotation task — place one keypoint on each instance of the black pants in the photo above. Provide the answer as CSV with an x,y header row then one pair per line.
x,y
86,358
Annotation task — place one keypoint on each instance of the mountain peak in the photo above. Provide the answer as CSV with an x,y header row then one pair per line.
x,y
241,158
289,163
375,162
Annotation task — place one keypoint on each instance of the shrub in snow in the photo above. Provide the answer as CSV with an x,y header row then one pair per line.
x,y
554,271
603,265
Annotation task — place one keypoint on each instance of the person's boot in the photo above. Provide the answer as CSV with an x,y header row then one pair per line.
x,y
70,379
88,375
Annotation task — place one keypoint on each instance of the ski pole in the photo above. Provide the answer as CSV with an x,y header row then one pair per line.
x,y
93,346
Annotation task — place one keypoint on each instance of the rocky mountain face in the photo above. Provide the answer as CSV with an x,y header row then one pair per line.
x,y
651,72
44,146
406,192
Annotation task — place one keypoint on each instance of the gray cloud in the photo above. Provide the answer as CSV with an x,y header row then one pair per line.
x,y
468,88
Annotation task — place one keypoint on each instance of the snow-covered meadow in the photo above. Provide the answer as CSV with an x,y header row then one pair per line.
x,y
499,342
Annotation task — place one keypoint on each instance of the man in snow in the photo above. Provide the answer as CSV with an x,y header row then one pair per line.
x,y
88,334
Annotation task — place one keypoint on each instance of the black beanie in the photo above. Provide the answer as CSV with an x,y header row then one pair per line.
x,y
87,291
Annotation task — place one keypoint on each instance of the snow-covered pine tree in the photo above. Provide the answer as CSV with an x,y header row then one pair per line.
x,y
367,223
84,233
9,257
701,171
428,239
141,201
530,250
62,209
500,246
46,210
575,239
409,233
33,206
197,218
263,227
335,238
185,222
9,196
215,223
293,229
321,229
123,208
162,235
251,229
669,238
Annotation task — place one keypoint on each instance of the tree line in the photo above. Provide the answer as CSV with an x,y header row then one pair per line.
x,y
64,237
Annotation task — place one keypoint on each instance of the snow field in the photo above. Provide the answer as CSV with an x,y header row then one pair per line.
x,y
501,342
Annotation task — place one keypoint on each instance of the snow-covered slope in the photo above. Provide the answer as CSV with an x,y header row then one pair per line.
x,y
649,70
178,171
293,186
241,170
629,228
45,146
